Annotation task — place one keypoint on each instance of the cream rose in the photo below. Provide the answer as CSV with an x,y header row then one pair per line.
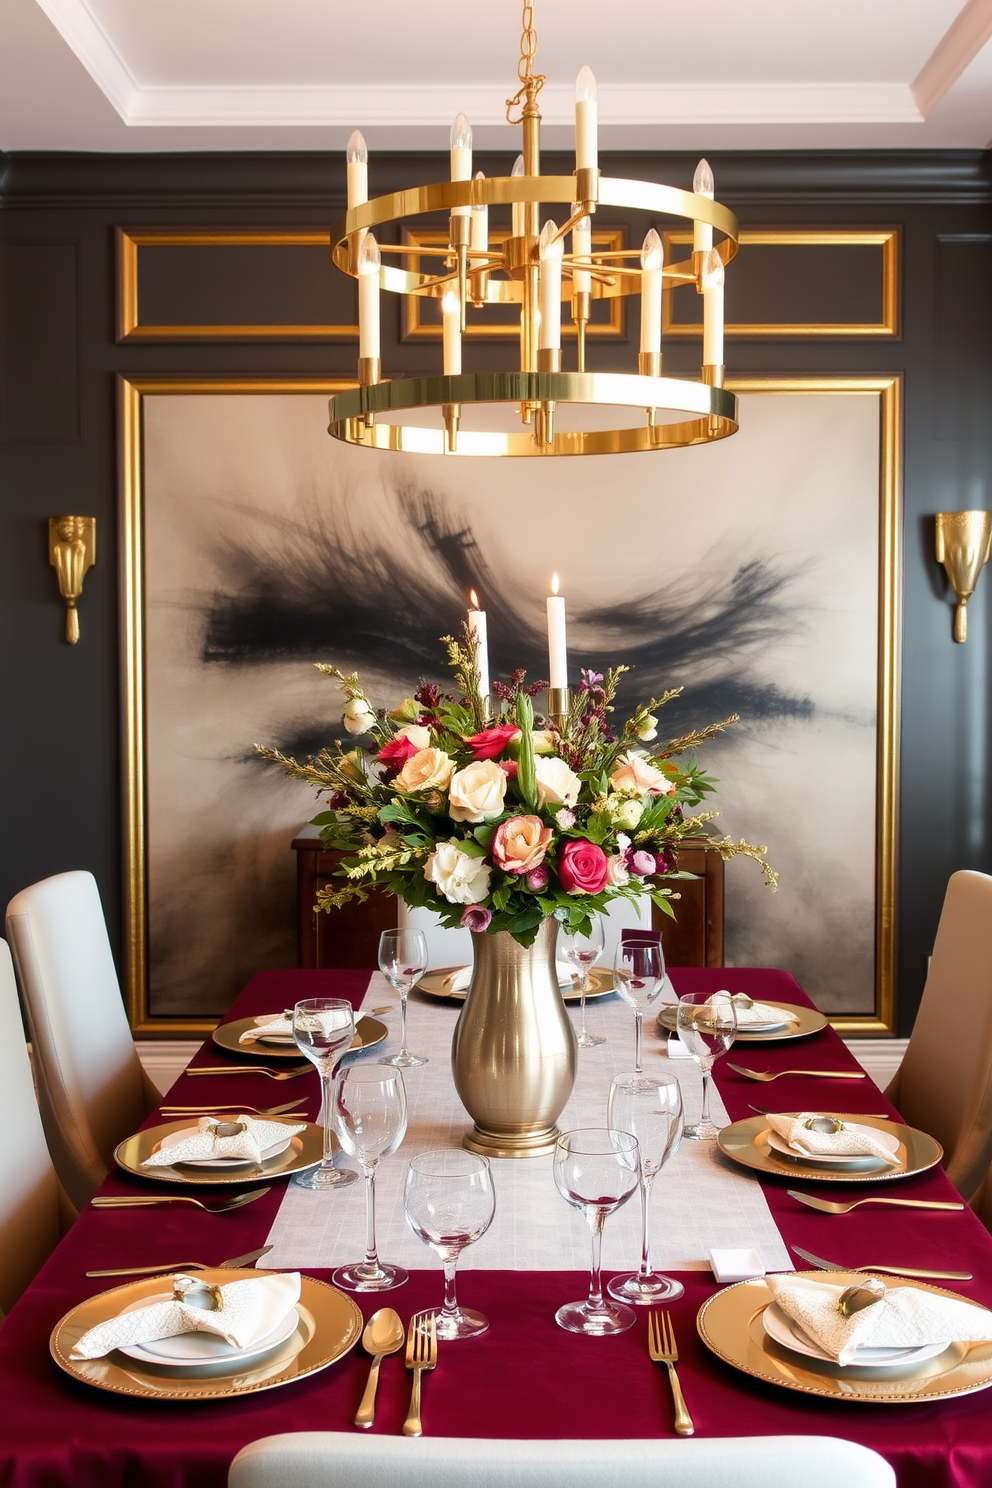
x,y
477,792
635,774
544,741
616,871
419,736
459,877
624,811
556,783
647,728
358,716
428,769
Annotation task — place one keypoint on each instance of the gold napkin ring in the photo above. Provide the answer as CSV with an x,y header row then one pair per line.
x,y
742,999
857,1298
195,1293
226,1128
827,1124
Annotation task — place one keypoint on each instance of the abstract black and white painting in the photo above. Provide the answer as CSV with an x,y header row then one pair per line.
x,y
746,572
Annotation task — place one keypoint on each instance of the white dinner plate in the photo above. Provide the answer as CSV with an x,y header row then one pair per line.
x,y
187,1350
272,1038
278,1146
778,1325
884,1139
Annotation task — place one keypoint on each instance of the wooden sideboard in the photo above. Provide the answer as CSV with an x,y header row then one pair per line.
x,y
350,936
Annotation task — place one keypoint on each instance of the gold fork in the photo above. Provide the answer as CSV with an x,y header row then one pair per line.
x,y
830,1206
766,1075
146,1201
421,1354
248,1069
663,1350
232,1106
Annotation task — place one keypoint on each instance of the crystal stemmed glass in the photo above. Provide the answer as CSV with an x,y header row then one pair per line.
x,y
370,1120
402,961
596,1170
323,1028
449,1203
639,975
650,1108
583,951
707,1026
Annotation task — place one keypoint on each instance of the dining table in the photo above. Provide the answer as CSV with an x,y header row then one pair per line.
x,y
526,1377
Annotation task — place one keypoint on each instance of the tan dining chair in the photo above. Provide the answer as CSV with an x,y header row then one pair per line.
x,y
331,1459
33,1209
91,1087
944,1084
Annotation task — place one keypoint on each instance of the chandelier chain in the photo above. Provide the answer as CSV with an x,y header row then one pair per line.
x,y
531,82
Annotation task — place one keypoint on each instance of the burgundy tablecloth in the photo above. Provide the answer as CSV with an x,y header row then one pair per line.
x,y
526,1377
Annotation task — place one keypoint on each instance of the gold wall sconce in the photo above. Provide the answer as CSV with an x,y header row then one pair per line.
x,y
964,540
71,552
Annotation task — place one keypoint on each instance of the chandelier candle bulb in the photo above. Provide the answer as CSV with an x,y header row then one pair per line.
x,y
479,240
368,297
461,158
713,310
517,208
557,650
652,265
703,185
358,170
451,320
581,248
586,121
551,256
477,625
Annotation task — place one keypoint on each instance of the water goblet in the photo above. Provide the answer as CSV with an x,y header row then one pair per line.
x,y
707,1026
596,1170
583,950
323,1028
450,1202
402,961
370,1120
650,1108
639,975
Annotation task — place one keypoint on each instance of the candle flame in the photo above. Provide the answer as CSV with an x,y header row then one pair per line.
x,y
554,583
474,598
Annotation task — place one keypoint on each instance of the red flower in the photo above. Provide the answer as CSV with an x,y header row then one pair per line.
x,y
397,752
492,741
583,867
510,768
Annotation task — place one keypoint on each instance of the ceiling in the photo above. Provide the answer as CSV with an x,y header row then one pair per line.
x,y
128,75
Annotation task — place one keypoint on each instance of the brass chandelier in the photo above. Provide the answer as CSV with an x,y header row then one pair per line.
x,y
531,269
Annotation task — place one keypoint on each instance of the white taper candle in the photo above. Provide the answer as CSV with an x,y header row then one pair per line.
x,y
557,651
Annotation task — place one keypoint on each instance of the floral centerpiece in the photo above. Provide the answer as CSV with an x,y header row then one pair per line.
x,y
498,820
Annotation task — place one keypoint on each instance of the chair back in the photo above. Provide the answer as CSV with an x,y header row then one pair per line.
x,y
944,1084
91,1088
330,1459
30,1217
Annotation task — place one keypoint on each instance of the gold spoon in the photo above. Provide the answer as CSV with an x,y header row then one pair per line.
x,y
384,1334
830,1206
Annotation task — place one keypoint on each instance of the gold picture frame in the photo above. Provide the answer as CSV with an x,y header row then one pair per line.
x,y
887,239
130,327
886,388
413,328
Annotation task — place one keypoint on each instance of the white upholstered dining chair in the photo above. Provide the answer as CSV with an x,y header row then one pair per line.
x,y
91,1087
33,1209
944,1084
330,1459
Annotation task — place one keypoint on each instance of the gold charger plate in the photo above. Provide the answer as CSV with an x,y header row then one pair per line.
x,y
747,1142
809,1020
730,1325
305,1151
330,1325
438,984
368,1031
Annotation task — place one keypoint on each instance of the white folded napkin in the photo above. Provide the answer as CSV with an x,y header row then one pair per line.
x,y
843,1143
904,1318
757,1012
278,1024
566,976
250,1310
204,1144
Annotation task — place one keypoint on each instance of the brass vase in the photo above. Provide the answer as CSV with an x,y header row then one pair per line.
x,y
513,1053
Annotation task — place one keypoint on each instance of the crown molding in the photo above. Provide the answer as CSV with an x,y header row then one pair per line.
x,y
958,47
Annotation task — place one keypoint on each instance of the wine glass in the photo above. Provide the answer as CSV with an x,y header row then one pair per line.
x,y
450,1203
639,975
402,961
583,950
323,1028
596,1170
650,1108
370,1120
707,1026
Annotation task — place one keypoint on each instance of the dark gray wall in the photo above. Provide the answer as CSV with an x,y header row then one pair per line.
x,y
58,360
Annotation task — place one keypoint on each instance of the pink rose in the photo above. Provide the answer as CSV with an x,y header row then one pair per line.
x,y
642,863
396,753
520,844
637,775
492,741
474,917
510,769
583,868
537,879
